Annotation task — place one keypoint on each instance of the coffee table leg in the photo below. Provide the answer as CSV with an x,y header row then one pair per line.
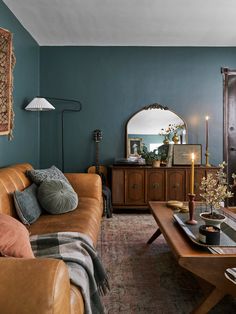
x,y
154,236
211,300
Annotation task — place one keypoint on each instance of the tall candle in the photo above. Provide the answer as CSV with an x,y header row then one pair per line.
x,y
192,175
207,132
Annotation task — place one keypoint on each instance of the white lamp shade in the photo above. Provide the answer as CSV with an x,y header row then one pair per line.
x,y
39,104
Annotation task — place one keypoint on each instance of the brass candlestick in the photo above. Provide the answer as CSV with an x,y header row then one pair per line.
x,y
207,158
191,205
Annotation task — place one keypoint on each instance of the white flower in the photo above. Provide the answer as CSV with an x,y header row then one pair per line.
x,y
215,187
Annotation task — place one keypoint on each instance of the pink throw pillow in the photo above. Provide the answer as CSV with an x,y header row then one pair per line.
x,y
14,238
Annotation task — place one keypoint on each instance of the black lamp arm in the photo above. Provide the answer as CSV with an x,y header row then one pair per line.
x,y
65,100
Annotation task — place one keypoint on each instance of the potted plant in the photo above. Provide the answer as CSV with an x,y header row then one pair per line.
x,y
152,157
214,191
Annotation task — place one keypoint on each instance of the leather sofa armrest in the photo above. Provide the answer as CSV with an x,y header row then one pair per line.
x,y
86,184
39,286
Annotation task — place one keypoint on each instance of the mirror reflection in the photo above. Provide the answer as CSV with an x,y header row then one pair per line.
x,y
152,127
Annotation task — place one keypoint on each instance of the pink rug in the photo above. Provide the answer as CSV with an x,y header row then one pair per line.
x,y
146,279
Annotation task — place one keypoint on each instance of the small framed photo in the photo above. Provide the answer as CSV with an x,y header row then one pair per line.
x,y
134,146
182,154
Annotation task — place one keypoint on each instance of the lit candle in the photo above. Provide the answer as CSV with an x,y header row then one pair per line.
x,y
207,131
192,175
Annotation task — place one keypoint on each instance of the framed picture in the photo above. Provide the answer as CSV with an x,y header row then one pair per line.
x,y
182,154
134,146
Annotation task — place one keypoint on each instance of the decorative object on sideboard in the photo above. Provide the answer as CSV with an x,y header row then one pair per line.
x,y
134,146
7,61
181,154
207,140
41,103
147,124
191,195
171,133
214,191
152,158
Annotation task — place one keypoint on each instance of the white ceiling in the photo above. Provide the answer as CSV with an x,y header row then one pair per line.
x,y
128,22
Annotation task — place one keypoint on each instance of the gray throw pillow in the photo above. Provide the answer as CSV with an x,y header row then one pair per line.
x,y
27,205
57,196
40,175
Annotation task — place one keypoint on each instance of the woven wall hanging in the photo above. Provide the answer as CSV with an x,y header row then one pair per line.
x,y
7,62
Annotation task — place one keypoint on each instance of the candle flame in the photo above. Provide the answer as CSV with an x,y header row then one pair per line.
x,y
193,156
207,118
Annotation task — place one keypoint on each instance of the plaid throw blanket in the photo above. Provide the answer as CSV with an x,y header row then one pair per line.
x,y
84,266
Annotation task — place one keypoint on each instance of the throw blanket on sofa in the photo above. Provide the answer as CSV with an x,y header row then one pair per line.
x,y
84,266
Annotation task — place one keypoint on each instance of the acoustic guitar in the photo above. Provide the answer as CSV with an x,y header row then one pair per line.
x,y
98,169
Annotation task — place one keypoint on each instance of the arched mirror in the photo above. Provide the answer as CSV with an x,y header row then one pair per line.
x,y
153,126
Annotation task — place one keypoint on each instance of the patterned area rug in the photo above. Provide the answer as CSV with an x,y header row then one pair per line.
x,y
147,279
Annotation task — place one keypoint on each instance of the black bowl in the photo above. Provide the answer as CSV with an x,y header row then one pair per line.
x,y
209,235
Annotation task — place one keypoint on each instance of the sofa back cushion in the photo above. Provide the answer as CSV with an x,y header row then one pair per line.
x,y
12,178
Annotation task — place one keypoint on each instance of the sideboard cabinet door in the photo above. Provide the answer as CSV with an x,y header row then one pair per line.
x,y
118,186
176,184
156,185
135,186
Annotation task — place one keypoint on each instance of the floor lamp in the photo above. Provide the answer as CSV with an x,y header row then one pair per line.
x,y
42,104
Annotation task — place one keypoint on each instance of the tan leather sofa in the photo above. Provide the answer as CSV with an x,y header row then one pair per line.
x,y
42,286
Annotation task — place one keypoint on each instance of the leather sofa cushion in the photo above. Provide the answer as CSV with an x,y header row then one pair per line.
x,y
86,218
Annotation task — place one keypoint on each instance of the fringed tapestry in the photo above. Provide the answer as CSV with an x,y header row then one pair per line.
x,y
7,62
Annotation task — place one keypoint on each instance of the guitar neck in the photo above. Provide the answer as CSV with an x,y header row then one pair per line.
x,y
97,158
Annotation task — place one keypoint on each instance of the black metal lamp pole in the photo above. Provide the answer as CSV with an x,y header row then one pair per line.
x,y
79,108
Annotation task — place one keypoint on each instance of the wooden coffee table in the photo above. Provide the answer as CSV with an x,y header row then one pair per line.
x,y
200,261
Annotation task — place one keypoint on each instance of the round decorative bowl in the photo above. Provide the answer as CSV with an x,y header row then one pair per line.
x,y
213,221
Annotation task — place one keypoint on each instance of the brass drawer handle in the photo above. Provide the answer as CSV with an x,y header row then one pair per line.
x,y
155,185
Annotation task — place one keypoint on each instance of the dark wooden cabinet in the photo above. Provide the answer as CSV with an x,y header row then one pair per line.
x,y
135,186
175,184
155,185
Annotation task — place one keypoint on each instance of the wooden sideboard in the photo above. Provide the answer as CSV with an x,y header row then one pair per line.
x,y
135,186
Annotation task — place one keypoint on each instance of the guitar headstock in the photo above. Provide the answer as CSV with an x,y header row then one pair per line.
x,y
97,135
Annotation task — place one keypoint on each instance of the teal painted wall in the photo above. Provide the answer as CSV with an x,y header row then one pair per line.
x,y
25,145
114,82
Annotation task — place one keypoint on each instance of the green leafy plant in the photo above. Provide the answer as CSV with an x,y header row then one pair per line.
x,y
149,156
